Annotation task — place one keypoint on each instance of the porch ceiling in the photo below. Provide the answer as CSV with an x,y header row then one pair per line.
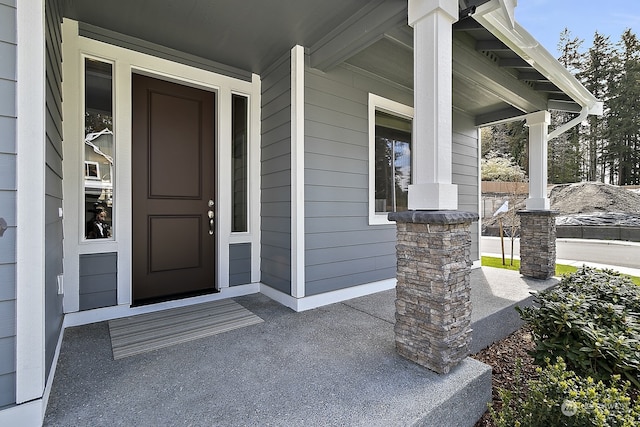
x,y
490,81
248,35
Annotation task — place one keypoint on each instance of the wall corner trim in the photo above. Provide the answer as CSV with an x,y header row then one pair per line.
x,y
297,173
30,245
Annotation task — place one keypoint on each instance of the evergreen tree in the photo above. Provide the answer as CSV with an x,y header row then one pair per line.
x,y
624,111
510,140
596,78
564,161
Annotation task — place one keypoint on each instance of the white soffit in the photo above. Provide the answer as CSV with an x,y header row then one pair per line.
x,y
496,16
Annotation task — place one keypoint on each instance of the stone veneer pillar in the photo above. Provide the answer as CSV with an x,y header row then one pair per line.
x,y
433,306
538,243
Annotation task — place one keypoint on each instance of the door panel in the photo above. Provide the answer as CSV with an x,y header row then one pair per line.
x,y
182,232
173,180
177,146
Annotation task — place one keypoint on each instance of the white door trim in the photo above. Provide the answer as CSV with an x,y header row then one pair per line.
x,y
126,62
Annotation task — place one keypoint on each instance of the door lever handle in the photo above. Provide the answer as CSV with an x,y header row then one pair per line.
x,y
212,222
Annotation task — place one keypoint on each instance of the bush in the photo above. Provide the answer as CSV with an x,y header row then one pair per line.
x,y
496,167
559,397
591,320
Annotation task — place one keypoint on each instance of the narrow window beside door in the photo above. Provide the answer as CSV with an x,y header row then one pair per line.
x,y
98,150
239,181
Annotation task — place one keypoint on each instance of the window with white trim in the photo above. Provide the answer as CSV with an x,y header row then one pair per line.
x,y
98,151
240,163
390,161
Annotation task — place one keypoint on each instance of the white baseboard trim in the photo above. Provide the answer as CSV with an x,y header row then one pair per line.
x,y
315,301
30,414
107,313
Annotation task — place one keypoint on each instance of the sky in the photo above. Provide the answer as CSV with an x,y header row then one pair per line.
x,y
546,19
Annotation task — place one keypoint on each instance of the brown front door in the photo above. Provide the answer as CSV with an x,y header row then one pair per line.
x,y
173,190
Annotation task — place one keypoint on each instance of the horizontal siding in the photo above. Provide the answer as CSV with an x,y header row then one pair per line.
x,y
7,355
466,171
53,178
7,171
7,389
8,147
98,280
7,319
239,264
8,63
8,132
8,281
8,24
341,248
7,101
275,182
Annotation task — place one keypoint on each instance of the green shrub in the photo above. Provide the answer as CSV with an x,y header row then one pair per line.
x,y
591,319
559,397
499,167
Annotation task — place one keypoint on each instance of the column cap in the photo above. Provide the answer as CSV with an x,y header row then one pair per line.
x,y
538,212
434,217
538,117
418,9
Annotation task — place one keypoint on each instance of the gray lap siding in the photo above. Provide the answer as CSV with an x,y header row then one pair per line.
x,y
275,183
53,179
341,248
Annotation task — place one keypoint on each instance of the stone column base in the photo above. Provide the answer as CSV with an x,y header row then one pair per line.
x,y
538,244
433,306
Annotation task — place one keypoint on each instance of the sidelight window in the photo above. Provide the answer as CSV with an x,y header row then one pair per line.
x,y
98,149
239,158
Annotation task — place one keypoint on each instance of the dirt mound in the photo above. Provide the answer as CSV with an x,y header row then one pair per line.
x,y
589,197
584,203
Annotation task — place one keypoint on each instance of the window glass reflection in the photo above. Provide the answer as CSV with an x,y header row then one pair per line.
x,y
392,162
98,153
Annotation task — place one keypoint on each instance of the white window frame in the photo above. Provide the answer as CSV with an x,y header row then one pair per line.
x,y
82,214
87,170
378,103
238,236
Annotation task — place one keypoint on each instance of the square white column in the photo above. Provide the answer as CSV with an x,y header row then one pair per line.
x,y
538,124
432,124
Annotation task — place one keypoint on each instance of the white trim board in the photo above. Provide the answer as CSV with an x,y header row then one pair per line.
x,y
315,301
27,414
297,173
30,202
125,63
107,313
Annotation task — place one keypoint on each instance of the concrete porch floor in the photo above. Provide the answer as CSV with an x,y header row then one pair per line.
x,y
332,366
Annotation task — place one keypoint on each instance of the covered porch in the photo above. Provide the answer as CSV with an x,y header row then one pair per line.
x,y
335,365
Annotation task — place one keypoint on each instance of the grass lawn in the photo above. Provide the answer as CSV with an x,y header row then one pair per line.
x,y
560,268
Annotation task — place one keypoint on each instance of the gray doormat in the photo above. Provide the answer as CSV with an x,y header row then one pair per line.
x,y
151,331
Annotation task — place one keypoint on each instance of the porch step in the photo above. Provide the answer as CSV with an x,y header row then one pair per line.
x,y
495,293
